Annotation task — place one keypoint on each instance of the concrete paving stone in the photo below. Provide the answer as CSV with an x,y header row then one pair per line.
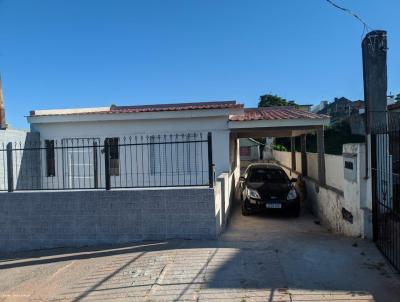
x,y
258,258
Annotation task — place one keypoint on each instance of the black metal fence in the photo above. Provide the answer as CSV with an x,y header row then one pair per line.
x,y
138,161
385,157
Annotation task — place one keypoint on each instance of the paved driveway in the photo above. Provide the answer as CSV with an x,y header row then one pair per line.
x,y
258,258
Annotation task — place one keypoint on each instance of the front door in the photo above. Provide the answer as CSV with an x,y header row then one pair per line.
x,y
81,163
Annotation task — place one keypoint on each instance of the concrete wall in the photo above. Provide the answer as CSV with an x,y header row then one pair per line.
x,y
226,185
223,199
312,166
327,205
26,165
283,157
298,162
333,166
334,171
219,199
357,192
342,205
36,220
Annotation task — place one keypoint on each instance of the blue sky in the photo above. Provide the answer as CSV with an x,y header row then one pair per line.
x,y
80,53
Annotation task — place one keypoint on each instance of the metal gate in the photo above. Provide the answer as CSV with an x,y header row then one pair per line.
x,y
385,159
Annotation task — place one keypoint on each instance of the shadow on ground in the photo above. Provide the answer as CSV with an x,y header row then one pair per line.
x,y
266,257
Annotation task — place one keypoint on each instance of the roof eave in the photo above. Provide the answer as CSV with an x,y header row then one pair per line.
x,y
101,117
278,123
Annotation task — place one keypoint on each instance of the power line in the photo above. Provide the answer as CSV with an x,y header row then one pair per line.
x,y
366,26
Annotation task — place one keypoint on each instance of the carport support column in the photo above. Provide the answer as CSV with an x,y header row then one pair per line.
x,y
321,156
304,165
293,152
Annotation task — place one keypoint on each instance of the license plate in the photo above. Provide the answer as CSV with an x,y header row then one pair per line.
x,y
273,205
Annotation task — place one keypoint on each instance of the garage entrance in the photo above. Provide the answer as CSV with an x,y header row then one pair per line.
x,y
284,122
279,122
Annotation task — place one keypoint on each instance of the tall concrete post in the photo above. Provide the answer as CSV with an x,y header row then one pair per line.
x,y
374,51
321,156
303,142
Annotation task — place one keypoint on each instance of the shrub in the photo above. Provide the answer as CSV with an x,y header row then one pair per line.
x,y
279,147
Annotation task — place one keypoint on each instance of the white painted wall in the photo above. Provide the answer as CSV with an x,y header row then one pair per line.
x,y
334,171
283,158
218,206
356,193
328,202
222,200
312,165
100,130
298,162
25,166
333,166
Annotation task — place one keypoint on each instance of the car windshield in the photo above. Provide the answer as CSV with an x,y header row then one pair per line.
x,y
267,175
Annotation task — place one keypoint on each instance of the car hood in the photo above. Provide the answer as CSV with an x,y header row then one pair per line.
x,y
271,190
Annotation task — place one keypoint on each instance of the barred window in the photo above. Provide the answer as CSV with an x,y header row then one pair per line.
x,y
181,157
158,155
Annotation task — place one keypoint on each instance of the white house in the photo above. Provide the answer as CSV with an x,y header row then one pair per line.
x,y
157,144
152,145
90,153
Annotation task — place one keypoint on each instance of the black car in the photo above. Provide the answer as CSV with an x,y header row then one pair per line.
x,y
266,186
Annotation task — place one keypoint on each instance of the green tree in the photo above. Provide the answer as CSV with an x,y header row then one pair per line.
x,y
397,98
270,100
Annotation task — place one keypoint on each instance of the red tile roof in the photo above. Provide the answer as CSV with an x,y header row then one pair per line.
x,y
136,109
176,107
275,113
393,106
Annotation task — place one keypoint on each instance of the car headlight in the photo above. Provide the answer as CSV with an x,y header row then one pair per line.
x,y
253,194
292,194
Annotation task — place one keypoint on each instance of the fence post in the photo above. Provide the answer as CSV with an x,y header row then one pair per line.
x,y
375,203
95,166
210,161
10,174
107,163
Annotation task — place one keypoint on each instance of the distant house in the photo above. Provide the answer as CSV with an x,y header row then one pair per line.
x,y
391,99
344,110
320,107
307,107
394,107
393,112
357,123
249,149
341,108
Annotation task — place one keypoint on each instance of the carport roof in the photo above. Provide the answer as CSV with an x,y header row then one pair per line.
x,y
276,122
275,113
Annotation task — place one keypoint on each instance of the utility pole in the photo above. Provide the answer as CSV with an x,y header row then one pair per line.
x,y
374,54
374,51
